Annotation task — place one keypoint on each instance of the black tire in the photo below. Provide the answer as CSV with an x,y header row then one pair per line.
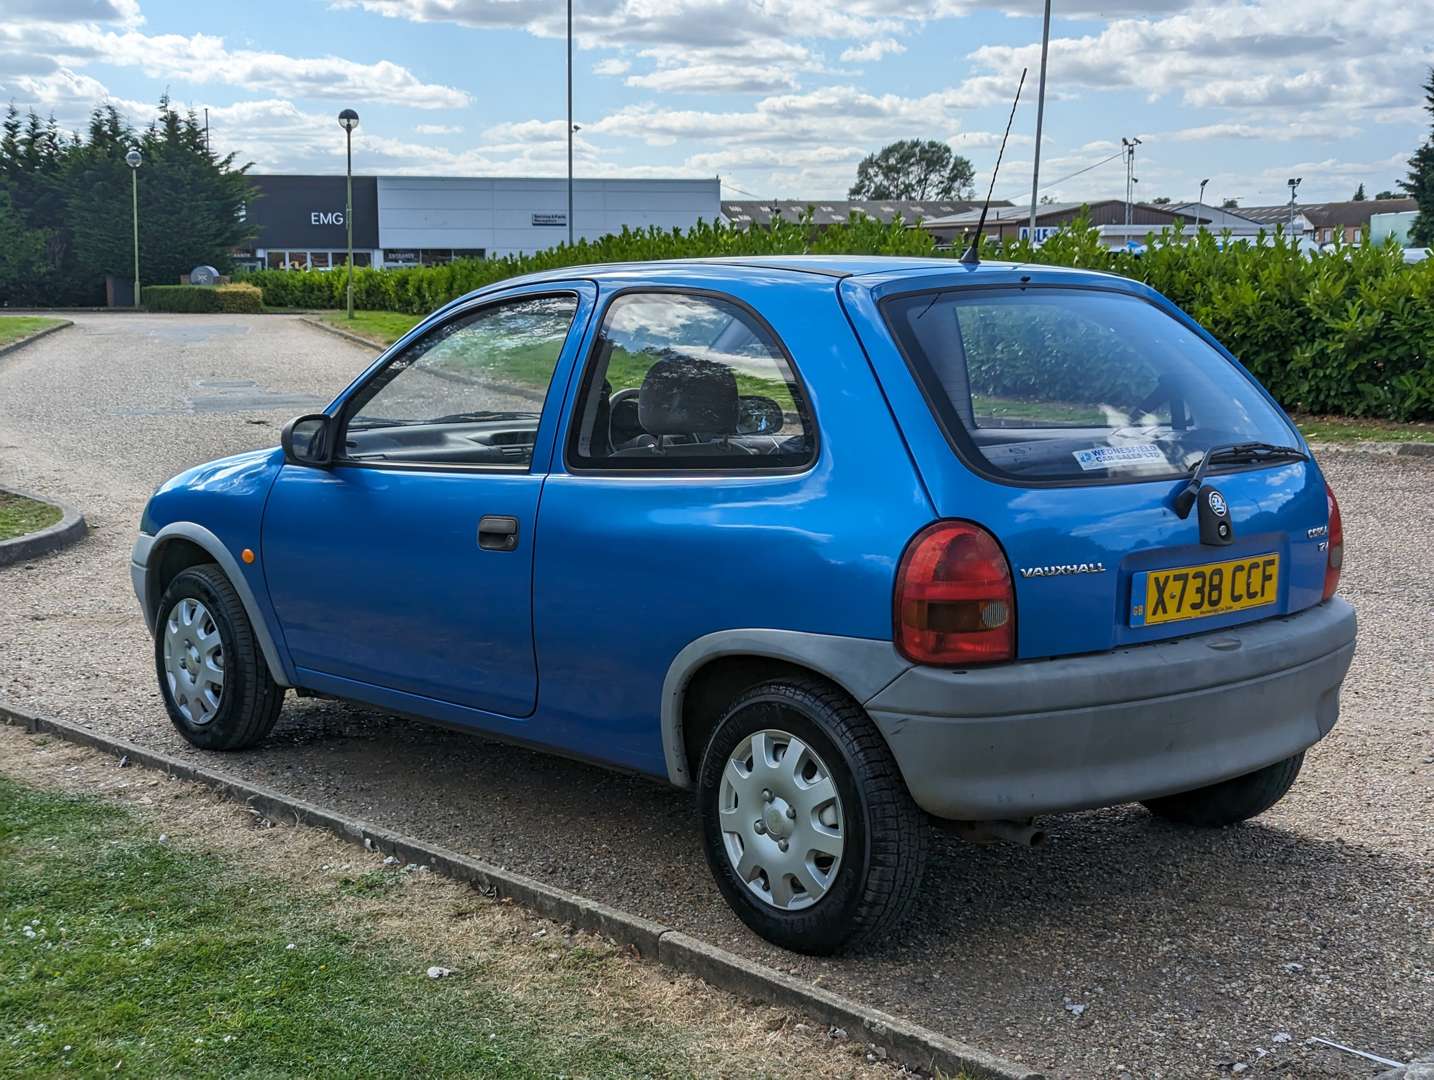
x,y
250,701
1230,801
885,834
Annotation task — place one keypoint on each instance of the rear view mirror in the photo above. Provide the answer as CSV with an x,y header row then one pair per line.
x,y
307,441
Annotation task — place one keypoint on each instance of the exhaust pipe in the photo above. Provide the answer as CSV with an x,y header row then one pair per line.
x,y
1020,833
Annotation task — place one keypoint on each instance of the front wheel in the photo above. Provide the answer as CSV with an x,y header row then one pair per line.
x,y
1230,801
808,826
215,683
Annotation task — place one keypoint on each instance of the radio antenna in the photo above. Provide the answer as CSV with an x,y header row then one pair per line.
x,y
973,253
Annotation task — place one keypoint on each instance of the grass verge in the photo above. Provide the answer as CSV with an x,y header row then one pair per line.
x,y
234,946
15,327
1341,429
19,516
380,327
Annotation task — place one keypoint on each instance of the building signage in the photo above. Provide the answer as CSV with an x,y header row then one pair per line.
x,y
326,217
559,219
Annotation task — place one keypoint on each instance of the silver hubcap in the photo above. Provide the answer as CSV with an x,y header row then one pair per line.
x,y
781,819
193,661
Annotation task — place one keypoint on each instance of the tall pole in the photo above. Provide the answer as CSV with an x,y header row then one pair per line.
x,y
570,123
348,120
1200,204
349,211
134,178
1040,115
133,159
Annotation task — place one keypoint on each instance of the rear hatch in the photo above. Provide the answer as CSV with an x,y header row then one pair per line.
x,y
1067,421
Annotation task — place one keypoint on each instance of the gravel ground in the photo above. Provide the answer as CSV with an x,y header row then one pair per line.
x,y
1126,945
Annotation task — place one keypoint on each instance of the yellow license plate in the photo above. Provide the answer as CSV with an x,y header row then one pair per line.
x,y
1193,592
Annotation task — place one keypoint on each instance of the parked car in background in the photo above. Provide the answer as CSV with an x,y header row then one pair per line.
x,y
842,544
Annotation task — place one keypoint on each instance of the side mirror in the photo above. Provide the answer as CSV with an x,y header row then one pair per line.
x,y
308,440
757,415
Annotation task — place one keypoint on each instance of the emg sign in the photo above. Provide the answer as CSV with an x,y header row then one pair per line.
x,y
326,217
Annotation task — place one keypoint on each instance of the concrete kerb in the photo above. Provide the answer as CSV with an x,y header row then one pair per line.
x,y
70,529
36,336
347,335
1383,449
904,1042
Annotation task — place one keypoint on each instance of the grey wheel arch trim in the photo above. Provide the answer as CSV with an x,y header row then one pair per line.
x,y
863,667
146,588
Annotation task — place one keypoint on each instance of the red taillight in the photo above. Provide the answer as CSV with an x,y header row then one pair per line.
x,y
954,601
1335,537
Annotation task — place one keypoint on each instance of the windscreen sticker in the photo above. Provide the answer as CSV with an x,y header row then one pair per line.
x,y
1115,457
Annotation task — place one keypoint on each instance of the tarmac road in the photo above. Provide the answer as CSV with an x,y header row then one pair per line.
x,y
1126,945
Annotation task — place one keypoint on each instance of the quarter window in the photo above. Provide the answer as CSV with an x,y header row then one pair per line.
x,y
685,381
469,392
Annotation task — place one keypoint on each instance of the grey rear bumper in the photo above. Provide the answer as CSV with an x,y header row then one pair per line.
x,y
1086,731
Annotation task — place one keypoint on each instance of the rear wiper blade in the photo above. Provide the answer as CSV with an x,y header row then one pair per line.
x,y
1245,451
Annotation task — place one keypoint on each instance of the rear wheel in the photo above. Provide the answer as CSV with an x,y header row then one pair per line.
x,y
807,824
1230,801
215,683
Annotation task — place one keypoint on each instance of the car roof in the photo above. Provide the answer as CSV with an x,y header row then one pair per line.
x,y
828,266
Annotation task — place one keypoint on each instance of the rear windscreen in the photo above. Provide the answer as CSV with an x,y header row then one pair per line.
x,y
1072,384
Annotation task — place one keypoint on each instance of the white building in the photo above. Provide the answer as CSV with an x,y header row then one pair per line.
x,y
424,220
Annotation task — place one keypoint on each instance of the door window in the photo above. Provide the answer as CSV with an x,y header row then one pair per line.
x,y
469,392
681,380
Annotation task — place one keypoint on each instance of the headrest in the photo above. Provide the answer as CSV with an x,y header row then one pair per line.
x,y
686,394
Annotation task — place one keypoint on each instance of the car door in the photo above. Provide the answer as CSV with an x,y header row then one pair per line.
x,y
407,565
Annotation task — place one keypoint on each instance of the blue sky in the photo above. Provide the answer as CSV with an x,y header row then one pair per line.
x,y
780,98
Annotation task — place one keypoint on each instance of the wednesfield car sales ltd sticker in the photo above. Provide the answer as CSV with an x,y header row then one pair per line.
x,y
1114,457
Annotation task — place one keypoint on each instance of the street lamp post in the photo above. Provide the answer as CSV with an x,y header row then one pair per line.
x,y
348,120
1040,117
570,123
1200,204
1294,183
133,160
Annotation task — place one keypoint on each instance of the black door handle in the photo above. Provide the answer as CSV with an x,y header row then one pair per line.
x,y
498,533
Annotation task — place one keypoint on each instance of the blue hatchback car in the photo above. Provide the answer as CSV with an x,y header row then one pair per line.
x,y
842,544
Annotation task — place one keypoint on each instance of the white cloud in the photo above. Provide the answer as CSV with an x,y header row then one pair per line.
x,y
611,66
716,79
873,50
200,59
438,129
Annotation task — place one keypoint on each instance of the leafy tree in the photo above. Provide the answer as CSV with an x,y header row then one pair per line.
x,y
22,252
913,169
1359,195
1386,195
1420,184
1160,200
1230,204
74,195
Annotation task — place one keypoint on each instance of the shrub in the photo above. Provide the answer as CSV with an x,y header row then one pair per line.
x,y
1345,331
240,299
181,298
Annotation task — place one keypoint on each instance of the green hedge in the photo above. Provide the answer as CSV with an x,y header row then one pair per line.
x,y
1349,331
240,299
182,298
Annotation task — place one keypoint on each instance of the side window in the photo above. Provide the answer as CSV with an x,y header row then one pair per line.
x,y
682,381
469,392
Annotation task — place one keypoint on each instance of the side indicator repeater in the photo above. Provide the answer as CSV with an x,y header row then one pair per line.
x,y
247,555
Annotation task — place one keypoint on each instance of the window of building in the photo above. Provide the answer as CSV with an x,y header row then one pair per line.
x,y
290,259
678,381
